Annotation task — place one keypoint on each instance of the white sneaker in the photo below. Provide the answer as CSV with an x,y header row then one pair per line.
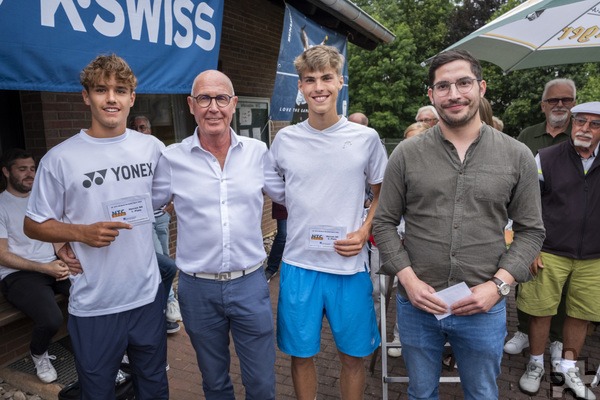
x,y
531,379
173,312
573,382
518,342
43,366
596,379
556,348
395,352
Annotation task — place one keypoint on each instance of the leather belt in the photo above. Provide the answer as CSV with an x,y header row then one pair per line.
x,y
224,276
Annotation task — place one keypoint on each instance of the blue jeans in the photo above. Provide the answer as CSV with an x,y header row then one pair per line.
x,y
161,233
477,342
168,269
211,310
276,252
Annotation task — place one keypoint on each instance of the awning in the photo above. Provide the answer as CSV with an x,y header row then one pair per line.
x,y
347,18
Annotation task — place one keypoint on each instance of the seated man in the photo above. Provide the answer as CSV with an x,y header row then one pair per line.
x,y
30,274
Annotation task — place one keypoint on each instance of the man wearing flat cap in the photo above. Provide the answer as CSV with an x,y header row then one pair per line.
x,y
569,175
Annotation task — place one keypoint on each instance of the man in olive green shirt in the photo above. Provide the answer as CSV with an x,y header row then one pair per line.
x,y
558,98
456,185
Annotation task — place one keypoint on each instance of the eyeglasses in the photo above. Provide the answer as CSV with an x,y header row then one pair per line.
x,y
204,100
593,124
463,85
554,101
427,120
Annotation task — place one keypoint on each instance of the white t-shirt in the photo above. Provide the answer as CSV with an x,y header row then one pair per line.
x,y
325,173
73,181
12,213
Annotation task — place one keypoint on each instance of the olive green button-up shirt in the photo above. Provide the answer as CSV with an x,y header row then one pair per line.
x,y
535,137
455,212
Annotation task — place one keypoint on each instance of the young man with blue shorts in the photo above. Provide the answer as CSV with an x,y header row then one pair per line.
x,y
326,160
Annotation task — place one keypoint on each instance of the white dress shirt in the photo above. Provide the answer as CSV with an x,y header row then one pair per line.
x,y
219,211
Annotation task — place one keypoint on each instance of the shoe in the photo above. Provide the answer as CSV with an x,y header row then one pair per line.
x,y
531,379
269,274
43,366
596,379
556,348
173,313
122,376
573,382
172,327
395,352
449,362
518,342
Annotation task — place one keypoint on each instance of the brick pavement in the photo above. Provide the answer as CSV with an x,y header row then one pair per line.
x,y
184,377
185,380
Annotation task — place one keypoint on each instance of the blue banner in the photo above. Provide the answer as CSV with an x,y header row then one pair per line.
x,y
300,33
44,44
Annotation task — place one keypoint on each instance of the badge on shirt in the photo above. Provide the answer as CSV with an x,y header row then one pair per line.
x,y
321,237
134,210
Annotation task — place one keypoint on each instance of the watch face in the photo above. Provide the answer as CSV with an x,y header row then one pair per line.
x,y
504,289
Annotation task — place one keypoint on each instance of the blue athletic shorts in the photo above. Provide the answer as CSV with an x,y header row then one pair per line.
x,y
305,296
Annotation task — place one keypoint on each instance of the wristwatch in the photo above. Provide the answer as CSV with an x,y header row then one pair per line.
x,y
503,287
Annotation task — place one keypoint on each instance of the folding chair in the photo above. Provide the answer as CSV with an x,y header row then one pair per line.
x,y
385,296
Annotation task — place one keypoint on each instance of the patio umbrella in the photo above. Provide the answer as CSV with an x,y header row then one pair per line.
x,y
539,33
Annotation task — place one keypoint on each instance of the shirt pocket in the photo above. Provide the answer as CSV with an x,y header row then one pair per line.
x,y
494,183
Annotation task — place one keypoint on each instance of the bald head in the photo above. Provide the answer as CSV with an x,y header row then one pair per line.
x,y
211,78
359,118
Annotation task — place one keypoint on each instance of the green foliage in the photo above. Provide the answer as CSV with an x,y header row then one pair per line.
x,y
389,84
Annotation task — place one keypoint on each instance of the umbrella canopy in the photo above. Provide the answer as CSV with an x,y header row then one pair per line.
x,y
539,33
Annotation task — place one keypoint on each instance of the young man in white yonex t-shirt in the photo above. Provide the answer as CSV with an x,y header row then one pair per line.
x,y
93,191
325,161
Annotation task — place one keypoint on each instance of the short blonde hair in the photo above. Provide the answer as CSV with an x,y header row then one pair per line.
x,y
318,58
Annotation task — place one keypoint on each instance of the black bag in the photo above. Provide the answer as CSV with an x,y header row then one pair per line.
x,y
123,387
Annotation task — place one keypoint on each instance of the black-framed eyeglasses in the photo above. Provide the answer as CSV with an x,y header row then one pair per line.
x,y
594,123
204,100
463,85
567,101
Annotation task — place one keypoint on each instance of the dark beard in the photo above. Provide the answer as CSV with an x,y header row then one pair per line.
x,y
18,186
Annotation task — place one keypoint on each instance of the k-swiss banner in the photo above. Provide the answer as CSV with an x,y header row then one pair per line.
x,y
44,44
300,33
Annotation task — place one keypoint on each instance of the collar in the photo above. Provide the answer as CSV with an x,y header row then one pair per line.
x,y
235,140
543,131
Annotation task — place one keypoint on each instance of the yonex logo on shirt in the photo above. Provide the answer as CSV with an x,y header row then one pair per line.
x,y
124,172
99,180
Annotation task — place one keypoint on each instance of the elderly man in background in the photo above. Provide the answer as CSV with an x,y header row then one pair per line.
x,y
558,98
428,115
569,175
